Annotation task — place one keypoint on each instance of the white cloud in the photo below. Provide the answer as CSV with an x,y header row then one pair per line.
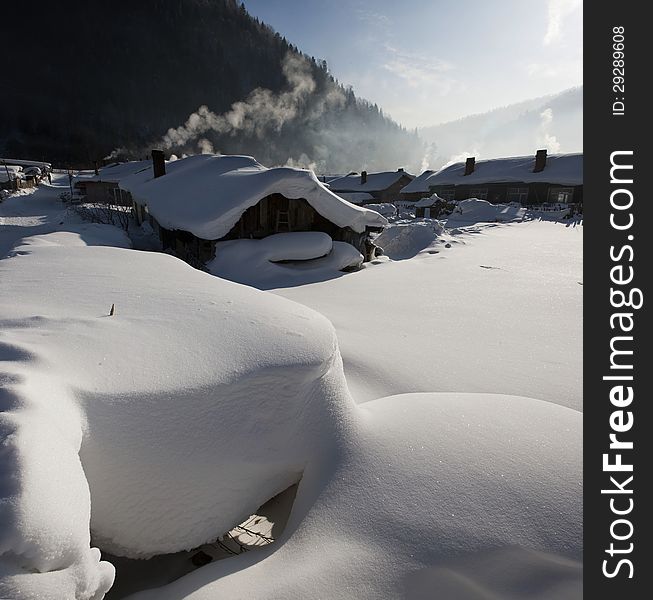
x,y
558,10
569,70
375,19
419,70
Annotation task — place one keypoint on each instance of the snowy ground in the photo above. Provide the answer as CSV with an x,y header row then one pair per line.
x,y
163,426
498,311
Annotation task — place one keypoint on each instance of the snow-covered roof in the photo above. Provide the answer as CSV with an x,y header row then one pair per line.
x,y
564,169
207,194
326,178
375,182
25,163
116,172
357,197
417,184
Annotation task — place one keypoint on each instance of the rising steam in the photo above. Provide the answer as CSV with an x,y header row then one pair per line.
x,y
321,134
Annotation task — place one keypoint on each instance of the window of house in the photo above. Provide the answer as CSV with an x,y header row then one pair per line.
x,y
561,195
480,193
517,194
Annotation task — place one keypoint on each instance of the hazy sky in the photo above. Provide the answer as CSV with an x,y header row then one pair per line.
x,y
429,61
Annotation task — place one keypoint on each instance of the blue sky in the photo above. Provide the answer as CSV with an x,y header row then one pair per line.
x,y
429,61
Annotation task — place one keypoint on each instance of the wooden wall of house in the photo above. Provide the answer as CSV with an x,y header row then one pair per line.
x,y
274,214
103,192
497,193
414,196
259,221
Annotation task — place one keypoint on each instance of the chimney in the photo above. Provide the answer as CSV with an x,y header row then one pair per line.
x,y
158,163
470,164
400,170
363,177
540,161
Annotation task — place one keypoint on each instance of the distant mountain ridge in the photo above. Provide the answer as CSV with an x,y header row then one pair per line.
x,y
94,78
554,122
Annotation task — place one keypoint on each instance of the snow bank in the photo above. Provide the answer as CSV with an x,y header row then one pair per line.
x,y
283,259
469,496
387,209
407,239
207,194
162,426
83,234
190,407
500,312
474,210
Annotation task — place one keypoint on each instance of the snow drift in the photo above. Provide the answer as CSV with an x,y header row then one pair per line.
x,y
474,210
283,259
407,239
189,408
160,427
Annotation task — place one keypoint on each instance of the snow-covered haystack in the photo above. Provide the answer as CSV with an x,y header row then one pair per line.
x,y
175,418
283,259
473,210
407,239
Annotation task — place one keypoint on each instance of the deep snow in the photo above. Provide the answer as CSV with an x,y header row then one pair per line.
x,y
499,311
200,399
284,259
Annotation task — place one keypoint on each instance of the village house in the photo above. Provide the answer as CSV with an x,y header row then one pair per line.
x,y
103,185
381,187
195,202
541,179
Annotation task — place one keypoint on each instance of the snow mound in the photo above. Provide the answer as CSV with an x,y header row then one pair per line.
x,y
90,234
207,194
476,496
405,240
474,210
283,259
387,209
174,419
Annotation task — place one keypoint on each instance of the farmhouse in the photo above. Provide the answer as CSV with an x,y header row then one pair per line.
x,y
197,201
539,179
382,187
103,186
